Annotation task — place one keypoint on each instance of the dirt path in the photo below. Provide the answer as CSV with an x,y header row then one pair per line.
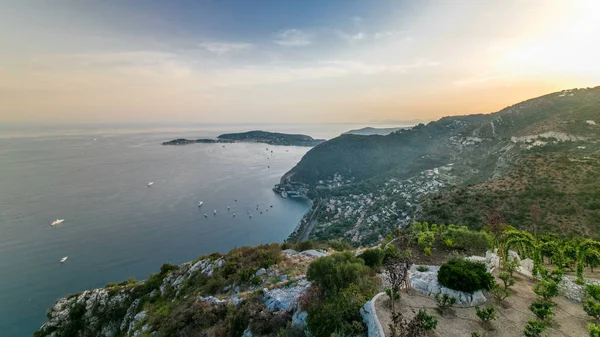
x,y
569,320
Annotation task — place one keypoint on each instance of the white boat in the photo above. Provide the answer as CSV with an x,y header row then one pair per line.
x,y
200,203
234,215
64,259
150,183
206,216
57,222
228,208
215,211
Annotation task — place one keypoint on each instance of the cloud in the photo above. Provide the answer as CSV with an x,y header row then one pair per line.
x,y
483,78
352,37
222,48
292,38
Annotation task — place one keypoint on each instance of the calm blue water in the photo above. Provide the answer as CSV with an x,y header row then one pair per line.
x,y
116,226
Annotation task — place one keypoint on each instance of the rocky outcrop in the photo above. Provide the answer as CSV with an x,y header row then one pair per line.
x,y
369,316
116,310
285,298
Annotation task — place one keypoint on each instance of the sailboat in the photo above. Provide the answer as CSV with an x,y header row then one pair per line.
x,y
150,183
64,259
200,203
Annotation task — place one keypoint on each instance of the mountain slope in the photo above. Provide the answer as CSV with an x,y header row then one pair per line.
x,y
444,171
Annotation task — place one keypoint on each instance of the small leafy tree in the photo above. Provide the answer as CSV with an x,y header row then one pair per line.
x,y
373,257
546,289
591,305
534,328
507,280
486,314
510,265
499,292
396,273
543,310
444,302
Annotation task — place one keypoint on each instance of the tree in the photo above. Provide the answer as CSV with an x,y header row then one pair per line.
x,y
486,315
444,302
396,274
585,247
543,310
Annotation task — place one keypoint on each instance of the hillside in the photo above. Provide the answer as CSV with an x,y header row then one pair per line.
x,y
369,131
369,185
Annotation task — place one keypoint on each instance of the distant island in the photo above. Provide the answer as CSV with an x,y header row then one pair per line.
x,y
271,138
369,131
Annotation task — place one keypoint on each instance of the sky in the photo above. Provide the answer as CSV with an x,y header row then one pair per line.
x,y
288,61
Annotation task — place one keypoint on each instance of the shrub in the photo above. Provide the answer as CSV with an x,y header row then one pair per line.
x,y
427,251
475,334
339,245
486,314
444,302
339,313
463,238
373,258
422,268
336,272
534,328
542,309
546,289
426,321
507,280
464,275
305,245
594,330
426,239
591,305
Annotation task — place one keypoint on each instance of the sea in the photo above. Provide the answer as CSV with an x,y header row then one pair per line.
x,y
116,226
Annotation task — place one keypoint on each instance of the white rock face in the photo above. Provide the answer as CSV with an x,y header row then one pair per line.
x,y
285,298
526,267
313,253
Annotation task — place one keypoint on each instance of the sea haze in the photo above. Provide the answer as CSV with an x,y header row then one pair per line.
x,y
116,226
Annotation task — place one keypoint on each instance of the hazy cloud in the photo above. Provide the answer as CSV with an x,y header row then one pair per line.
x,y
222,48
293,37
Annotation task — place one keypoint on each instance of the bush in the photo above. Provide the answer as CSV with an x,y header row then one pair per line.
x,y
594,330
305,245
591,305
463,238
486,314
510,265
546,289
444,302
373,258
464,275
500,293
339,313
426,321
336,272
422,268
534,328
339,245
542,309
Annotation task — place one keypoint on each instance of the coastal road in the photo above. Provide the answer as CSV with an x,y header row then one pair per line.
x,y
307,229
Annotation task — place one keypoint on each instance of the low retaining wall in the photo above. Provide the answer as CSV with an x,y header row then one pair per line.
x,y
369,316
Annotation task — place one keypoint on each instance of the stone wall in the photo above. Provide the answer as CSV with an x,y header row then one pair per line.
x,y
573,291
369,316
426,283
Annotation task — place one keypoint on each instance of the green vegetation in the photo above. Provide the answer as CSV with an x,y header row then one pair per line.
x,y
444,302
546,289
342,288
534,328
464,275
591,305
373,257
501,292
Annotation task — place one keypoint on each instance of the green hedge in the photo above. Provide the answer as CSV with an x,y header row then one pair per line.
x,y
464,275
